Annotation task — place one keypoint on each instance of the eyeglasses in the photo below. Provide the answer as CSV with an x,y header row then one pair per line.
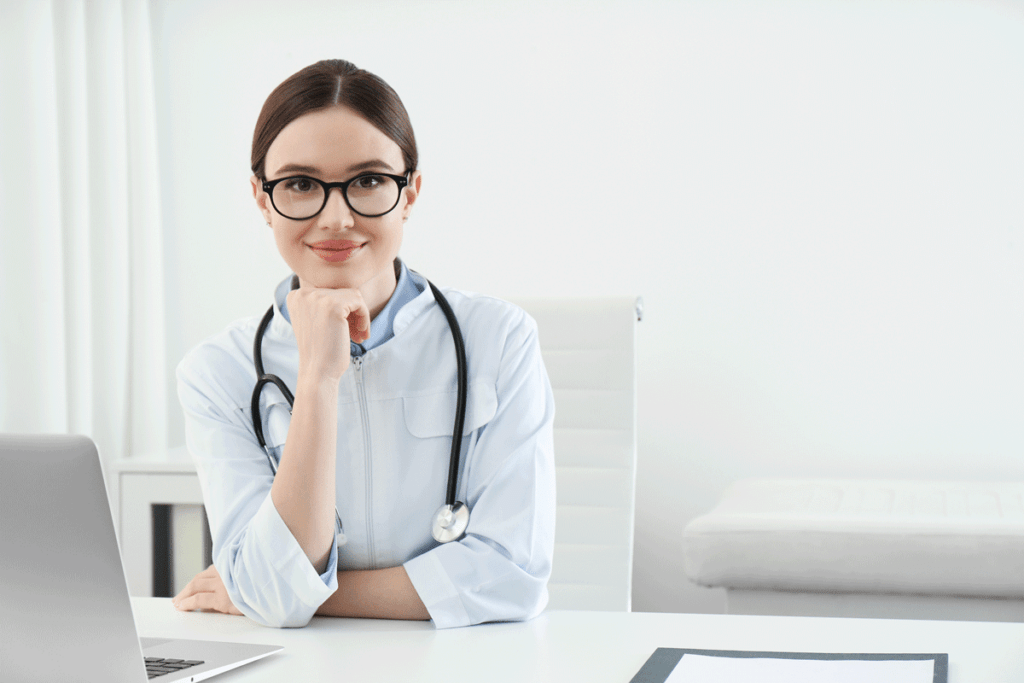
x,y
301,197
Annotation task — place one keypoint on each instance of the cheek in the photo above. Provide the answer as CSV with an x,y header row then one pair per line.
x,y
280,239
395,232
288,240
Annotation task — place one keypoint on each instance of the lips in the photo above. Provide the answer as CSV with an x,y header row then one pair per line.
x,y
335,250
335,245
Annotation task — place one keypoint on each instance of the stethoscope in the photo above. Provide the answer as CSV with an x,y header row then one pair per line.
x,y
451,519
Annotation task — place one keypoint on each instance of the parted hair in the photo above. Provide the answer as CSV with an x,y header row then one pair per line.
x,y
333,83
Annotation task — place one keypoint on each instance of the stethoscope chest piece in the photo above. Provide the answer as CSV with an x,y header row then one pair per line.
x,y
450,522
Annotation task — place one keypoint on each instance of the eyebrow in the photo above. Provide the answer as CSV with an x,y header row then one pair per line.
x,y
355,168
372,163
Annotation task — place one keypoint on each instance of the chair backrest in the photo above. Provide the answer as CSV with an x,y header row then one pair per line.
x,y
589,349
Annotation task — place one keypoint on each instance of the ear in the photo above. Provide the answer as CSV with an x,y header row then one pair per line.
x,y
412,193
261,197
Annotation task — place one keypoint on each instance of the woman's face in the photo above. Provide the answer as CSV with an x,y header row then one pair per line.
x,y
338,248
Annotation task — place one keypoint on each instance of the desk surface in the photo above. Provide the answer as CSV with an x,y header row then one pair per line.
x,y
574,646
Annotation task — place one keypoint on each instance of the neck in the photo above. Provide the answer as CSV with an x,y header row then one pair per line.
x,y
378,291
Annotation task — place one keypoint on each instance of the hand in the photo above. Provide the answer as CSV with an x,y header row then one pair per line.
x,y
324,320
206,592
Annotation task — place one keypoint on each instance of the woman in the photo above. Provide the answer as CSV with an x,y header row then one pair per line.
x,y
344,528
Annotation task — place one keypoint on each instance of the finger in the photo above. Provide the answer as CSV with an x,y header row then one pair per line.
x,y
218,602
193,602
210,573
359,323
357,328
182,603
188,590
208,602
207,584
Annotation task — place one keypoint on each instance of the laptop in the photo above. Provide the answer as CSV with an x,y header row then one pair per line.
x,y
65,612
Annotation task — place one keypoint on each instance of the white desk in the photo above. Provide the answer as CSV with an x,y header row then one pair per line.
x,y
574,646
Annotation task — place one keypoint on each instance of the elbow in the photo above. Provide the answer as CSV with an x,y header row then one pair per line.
x,y
535,599
531,587
275,594
284,620
272,603
520,600
273,613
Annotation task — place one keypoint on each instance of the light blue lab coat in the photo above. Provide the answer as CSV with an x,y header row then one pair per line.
x,y
396,410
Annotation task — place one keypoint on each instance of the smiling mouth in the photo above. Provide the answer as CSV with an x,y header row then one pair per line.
x,y
336,251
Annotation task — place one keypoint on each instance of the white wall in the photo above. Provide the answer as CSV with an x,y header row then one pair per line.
x,y
821,203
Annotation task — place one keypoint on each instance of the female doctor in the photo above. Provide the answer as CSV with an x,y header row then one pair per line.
x,y
362,457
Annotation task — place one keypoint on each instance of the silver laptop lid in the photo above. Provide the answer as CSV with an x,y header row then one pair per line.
x,y
65,613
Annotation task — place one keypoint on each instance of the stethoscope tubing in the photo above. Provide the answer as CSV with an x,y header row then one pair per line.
x,y
463,390
263,378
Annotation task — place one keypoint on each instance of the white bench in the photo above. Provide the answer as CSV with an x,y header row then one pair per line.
x,y
868,548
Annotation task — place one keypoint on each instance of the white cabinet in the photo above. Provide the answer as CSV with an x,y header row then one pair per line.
x,y
135,486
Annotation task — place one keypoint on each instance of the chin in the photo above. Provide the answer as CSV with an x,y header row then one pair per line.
x,y
334,281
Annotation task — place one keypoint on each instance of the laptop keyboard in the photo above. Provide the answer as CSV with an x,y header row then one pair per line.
x,y
158,667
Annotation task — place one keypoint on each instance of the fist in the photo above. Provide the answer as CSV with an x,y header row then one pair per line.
x,y
205,592
324,320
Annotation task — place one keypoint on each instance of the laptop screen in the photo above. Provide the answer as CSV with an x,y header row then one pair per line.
x,y
65,612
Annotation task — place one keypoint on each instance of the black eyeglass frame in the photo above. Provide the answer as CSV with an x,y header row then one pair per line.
x,y
400,180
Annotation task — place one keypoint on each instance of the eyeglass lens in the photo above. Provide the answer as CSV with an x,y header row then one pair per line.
x,y
369,195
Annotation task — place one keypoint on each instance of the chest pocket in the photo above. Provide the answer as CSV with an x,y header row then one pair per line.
x,y
429,415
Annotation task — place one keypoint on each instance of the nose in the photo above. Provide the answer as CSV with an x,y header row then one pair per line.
x,y
336,213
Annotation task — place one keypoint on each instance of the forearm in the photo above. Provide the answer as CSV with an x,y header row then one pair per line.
x,y
304,488
375,594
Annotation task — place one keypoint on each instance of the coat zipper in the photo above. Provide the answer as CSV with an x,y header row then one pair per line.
x,y
365,413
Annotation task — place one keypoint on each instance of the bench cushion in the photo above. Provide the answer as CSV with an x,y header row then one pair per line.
x,y
867,536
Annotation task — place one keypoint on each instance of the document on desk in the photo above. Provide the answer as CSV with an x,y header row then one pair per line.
x,y
671,665
701,668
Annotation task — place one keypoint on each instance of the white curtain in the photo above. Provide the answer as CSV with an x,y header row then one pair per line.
x,y
82,345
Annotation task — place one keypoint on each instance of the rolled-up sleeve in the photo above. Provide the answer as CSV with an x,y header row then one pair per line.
x,y
500,569
265,571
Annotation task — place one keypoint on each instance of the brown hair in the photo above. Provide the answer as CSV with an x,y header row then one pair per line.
x,y
333,83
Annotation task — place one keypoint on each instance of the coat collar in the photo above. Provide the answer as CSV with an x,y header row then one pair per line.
x,y
280,327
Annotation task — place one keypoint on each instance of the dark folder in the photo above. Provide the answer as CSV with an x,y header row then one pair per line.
x,y
660,664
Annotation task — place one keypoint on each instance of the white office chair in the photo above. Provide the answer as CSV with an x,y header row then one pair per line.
x,y
589,348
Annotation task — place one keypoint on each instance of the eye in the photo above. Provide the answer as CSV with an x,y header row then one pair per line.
x,y
300,185
369,182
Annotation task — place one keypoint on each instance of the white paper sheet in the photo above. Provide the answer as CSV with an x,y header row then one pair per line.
x,y
707,669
